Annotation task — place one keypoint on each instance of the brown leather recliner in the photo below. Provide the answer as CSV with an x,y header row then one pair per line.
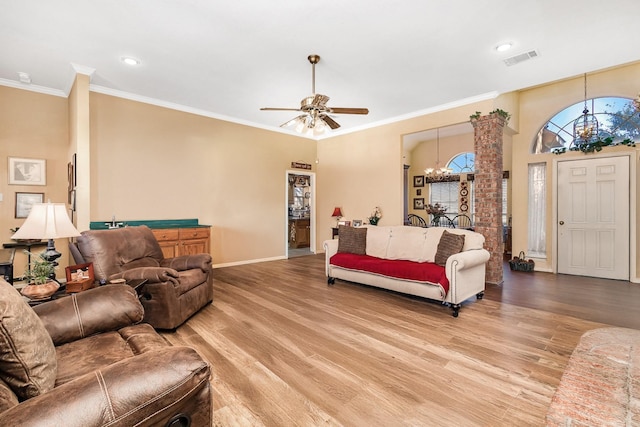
x,y
176,288
83,360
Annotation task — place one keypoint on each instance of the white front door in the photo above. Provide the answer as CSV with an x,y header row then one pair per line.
x,y
593,217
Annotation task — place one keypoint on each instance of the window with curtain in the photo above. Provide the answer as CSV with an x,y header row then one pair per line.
x,y
537,239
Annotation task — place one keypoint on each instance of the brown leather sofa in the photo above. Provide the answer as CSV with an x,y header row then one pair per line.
x,y
84,360
176,288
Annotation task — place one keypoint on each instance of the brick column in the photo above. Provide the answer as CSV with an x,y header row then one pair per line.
x,y
488,132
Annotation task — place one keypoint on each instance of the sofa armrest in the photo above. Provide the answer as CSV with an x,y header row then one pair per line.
x,y
151,274
467,259
107,308
188,262
145,389
330,249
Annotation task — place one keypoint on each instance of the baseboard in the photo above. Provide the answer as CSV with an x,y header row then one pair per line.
x,y
249,261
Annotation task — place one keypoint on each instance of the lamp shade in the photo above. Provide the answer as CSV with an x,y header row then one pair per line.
x,y
47,221
336,212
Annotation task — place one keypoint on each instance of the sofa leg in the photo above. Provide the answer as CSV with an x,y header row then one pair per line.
x,y
330,280
480,295
456,309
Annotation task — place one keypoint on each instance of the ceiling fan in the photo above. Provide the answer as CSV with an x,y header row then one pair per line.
x,y
316,111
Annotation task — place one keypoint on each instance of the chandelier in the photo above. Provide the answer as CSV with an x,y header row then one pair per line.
x,y
585,127
437,171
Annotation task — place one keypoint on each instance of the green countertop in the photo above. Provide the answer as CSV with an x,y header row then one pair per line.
x,y
151,223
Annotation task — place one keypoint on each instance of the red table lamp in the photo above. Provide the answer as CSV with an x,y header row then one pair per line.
x,y
337,213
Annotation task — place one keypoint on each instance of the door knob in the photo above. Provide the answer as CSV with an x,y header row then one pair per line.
x,y
561,222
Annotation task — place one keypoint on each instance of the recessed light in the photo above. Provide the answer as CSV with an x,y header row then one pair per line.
x,y
503,47
130,61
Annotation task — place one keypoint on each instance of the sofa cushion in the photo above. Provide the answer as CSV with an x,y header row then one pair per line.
x,y
8,398
78,358
141,262
449,244
27,356
406,243
430,247
352,240
377,241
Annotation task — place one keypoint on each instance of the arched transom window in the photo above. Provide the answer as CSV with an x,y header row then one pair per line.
x,y
462,163
617,119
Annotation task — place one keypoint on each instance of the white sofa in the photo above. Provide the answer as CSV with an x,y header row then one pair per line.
x,y
465,271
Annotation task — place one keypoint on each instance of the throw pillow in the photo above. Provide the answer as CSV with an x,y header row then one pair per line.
x,y
28,362
449,244
352,240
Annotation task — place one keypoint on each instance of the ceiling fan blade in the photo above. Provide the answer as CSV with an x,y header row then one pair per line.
x,y
320,100
337,110
329,121
292,121
279,109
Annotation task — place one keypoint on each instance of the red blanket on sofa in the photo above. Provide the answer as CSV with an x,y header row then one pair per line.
x,y
399,269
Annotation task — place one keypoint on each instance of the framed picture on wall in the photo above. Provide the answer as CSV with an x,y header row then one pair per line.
x,y
418,203
27,171
418,181
419,192
25,201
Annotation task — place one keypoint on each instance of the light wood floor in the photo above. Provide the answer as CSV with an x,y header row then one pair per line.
x,y
288,350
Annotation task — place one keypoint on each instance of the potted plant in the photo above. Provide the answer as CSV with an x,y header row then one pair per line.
x,y
39,275
375,216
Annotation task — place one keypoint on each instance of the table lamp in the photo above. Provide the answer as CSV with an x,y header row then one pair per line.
x,y
337,213
47,221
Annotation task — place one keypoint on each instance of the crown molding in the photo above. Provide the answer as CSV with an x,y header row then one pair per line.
x,y
186,109
197,111
32,88
83,69
419,113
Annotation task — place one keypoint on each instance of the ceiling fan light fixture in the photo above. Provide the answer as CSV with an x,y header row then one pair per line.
x,y
299,125
316,114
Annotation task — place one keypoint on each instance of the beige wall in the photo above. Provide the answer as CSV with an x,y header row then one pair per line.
x,y
80,145
149,162
361,170
32,125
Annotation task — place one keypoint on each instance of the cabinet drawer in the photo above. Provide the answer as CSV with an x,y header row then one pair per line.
x,y
163,235
194,233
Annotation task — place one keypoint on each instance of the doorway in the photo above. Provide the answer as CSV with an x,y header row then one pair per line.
x,y
300,214
593,217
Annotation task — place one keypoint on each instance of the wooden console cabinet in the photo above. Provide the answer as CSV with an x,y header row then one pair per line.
x,y
299,233
183,241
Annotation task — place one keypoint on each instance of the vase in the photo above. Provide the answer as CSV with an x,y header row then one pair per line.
x,y
36,292
373,221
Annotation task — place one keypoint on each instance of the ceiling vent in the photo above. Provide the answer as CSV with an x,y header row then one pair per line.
x,y
521,57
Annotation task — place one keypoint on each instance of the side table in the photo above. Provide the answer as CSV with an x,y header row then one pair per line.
x,y
6,264
60,293
27,246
